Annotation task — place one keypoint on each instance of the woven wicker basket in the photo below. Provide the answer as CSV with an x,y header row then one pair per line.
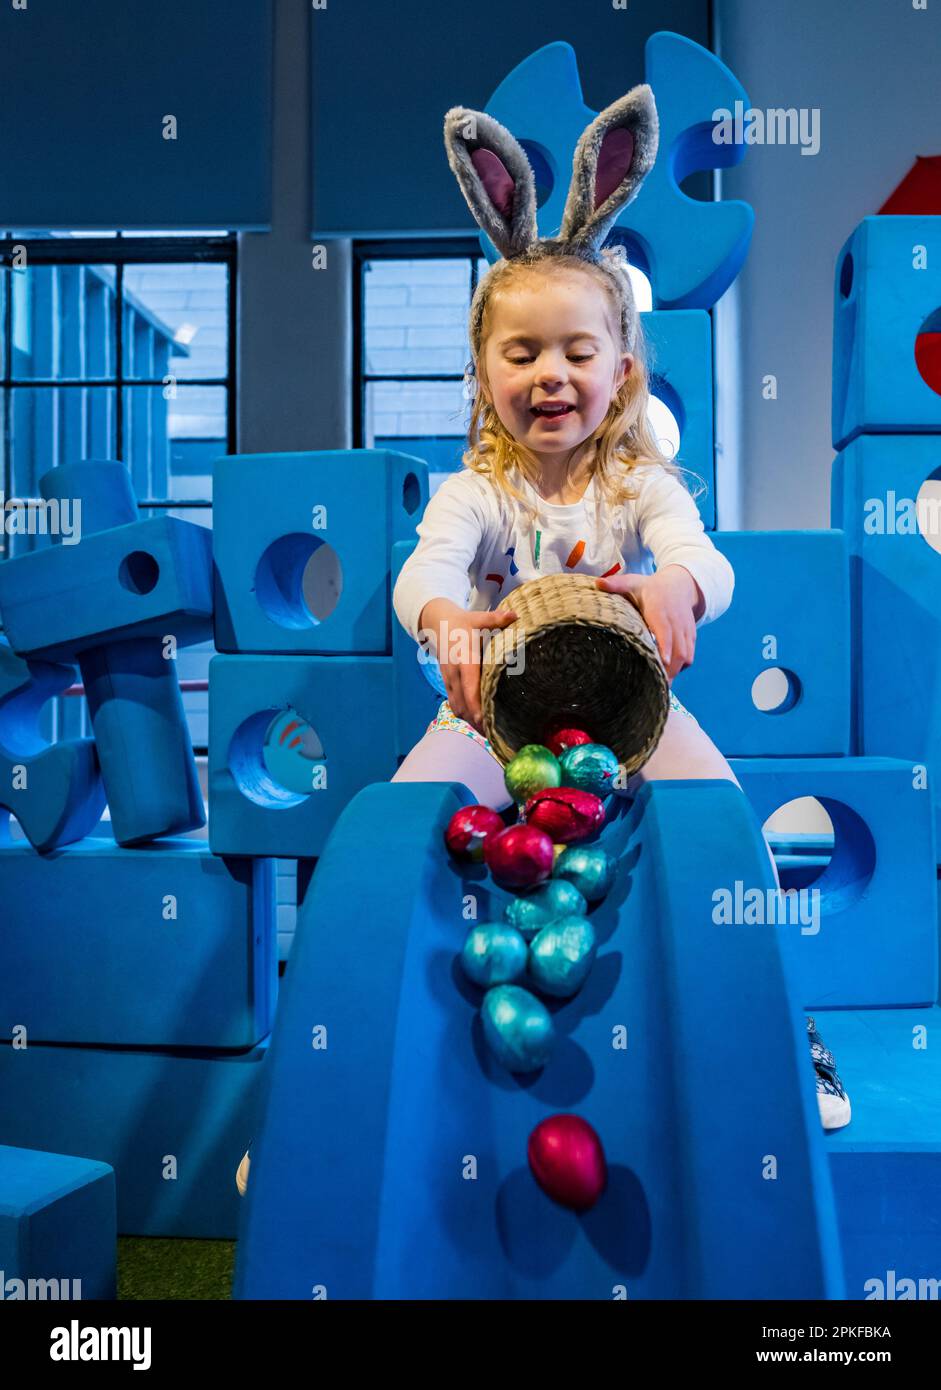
x,y
587,658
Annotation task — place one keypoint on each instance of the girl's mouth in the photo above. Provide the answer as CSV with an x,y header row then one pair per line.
x,y
551,412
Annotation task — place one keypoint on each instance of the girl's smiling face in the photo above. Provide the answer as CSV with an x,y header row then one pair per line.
x,y
550,344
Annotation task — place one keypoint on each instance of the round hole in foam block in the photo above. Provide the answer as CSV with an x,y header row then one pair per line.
x,y
276,758
138,572
299,581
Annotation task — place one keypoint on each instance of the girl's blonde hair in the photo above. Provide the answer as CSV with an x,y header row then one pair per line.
x,y
624,440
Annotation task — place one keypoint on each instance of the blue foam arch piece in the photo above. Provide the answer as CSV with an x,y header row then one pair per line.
x,y
63,797
792,587
173,1125
896,599
882,870
57,1222
881,302
691,250
263,538
166,945
358,1169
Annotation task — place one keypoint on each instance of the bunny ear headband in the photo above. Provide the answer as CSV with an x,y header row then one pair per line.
x,y
612,158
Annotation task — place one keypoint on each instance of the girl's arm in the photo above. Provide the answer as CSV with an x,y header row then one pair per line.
x,y
449,536
670,527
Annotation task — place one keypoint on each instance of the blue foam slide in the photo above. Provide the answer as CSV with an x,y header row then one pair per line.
x,y
173,1125
167,945
391,1158
57,1226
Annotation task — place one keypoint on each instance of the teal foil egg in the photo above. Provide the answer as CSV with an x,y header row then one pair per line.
x,y
494,954
592,767
589,868
518,1028
561,956
551,900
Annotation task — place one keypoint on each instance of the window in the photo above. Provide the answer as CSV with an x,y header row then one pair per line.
x,y
411,303
118,346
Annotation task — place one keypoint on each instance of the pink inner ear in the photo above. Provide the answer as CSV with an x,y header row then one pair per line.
x,y
614,160
496,180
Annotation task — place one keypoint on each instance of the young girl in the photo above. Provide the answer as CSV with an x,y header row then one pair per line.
x,y
563,472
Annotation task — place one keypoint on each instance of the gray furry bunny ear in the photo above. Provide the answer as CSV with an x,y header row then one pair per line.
x,y
612,158
495,177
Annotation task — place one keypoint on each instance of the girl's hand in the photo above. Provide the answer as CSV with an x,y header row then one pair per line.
x,y
667,602
459,648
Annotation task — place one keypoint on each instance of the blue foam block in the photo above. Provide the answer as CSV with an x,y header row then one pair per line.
x,y
146,579
173,1126
884,296
291,740
680,365
877,911
54,790
57,1225
419,686
167,945
301,543
896,599
789,613
691,250
362,1183
886,1163
113,602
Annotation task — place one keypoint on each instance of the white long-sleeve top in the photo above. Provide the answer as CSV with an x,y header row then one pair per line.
x,y
477,543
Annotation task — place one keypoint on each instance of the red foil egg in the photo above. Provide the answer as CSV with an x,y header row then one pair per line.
x,y
519,857
567,1160
468,830
566,738
565,813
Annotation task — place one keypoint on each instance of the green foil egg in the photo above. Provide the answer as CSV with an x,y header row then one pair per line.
x,y
561,956
551,900
591,767
532,770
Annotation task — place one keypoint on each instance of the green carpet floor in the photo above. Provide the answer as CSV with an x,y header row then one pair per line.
x,y
156,1267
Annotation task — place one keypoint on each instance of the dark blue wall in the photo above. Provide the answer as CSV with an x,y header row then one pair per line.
x,y
384,74
86,84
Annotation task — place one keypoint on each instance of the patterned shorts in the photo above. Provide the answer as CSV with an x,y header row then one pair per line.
x,y
447,719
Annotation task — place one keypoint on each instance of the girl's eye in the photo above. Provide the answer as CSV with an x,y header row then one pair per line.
x,y
521,361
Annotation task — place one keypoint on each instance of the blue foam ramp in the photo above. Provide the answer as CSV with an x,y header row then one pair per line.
x,y
790,613
57,1226
358,1182
690,250
291,740
886,1163
887,291
167,945
679,360
301,546
882,872
54,790
173,1126
896,598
